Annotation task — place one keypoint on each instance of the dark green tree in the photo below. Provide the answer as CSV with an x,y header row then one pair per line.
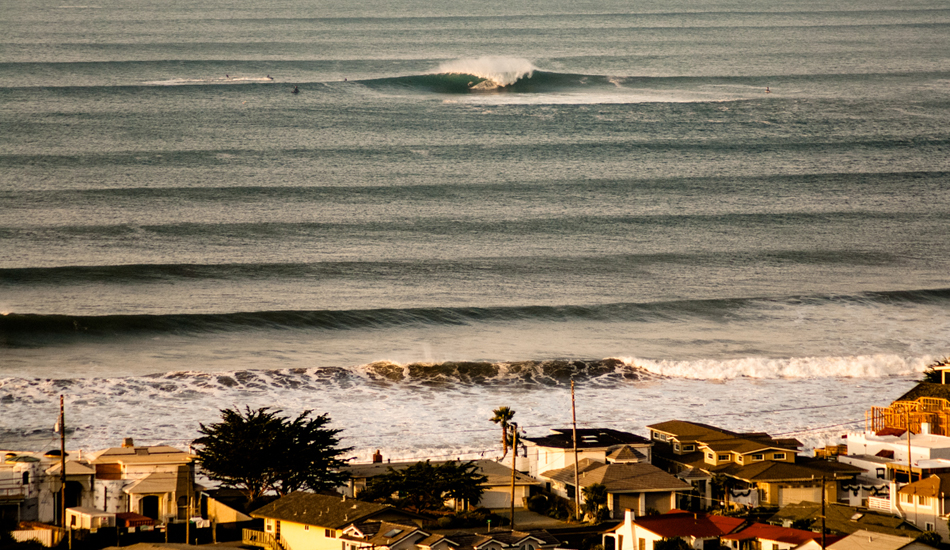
x,y
595,502
426,486
259,451
931,538
932,375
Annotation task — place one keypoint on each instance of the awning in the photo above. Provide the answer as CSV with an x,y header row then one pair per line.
x,y
157,483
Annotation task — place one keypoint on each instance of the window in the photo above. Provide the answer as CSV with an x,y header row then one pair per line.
x,y
907,499
710,456
778,456
928,526
774,546
880,473
676,446
758,456
723,457
329,533
26,478
641,544
689,448
922,500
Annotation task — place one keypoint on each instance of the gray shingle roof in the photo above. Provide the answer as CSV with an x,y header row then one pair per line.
x,y
619,478
325,511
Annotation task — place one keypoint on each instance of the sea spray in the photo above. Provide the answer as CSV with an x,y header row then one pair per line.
x,y
499,71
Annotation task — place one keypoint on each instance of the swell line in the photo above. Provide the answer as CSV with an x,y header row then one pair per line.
x,y
33,326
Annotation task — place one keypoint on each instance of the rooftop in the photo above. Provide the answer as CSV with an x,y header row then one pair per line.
x,y
587,438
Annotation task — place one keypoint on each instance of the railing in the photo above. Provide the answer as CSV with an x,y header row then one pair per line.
x,y
262,539
881,504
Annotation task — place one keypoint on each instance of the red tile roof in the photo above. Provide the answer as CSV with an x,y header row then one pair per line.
x,y
688,524
779,534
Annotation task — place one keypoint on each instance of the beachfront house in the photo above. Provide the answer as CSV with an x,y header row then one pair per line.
x,y
750,469
497,486
925,409
154,481
556,450
30,485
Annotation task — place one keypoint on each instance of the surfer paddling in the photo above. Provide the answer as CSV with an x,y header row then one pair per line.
x,y
295,90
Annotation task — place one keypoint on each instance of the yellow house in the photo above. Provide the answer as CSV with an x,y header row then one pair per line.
x,y
308,521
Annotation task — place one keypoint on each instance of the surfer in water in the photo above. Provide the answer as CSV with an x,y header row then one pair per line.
x,y
295,90
767,90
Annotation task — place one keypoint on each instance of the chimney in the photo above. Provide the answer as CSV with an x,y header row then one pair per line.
x,y
377,457
127,442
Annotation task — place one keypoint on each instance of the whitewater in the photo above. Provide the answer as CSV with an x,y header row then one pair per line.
x,y
736,215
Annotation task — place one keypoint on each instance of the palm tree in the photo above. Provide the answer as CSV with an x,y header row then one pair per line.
x,y
502,416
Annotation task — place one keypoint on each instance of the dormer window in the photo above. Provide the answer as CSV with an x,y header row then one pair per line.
x,y
723,458
778,456
758,456
689,448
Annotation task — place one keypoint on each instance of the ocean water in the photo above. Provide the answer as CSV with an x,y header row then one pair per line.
x,y
733,212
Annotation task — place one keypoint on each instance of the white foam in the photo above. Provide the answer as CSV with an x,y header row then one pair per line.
x,y
500,71
417,420
867,366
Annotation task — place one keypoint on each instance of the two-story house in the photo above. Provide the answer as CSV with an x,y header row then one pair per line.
x,y
753,469
556,450
155,481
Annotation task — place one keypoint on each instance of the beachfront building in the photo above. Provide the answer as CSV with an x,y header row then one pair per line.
x,y
925,409
752,469
556,450
497,486
635,486
30,485
699,530
318,522
157,482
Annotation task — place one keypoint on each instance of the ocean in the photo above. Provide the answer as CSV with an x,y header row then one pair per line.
x,y
732,212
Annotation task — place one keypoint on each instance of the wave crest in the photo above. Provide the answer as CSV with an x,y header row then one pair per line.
x,y
861,366
496,71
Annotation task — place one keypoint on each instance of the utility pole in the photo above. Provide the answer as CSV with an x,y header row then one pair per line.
x,y
62,463
514,464
577,489
822,512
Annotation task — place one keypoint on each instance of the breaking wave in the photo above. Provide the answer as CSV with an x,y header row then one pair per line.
x,y
495,75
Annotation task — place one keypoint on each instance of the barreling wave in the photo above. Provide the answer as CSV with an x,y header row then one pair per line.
x,y
28,330
492,74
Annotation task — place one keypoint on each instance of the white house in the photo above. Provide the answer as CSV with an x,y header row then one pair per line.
x,y
155,481
556,450
699,530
